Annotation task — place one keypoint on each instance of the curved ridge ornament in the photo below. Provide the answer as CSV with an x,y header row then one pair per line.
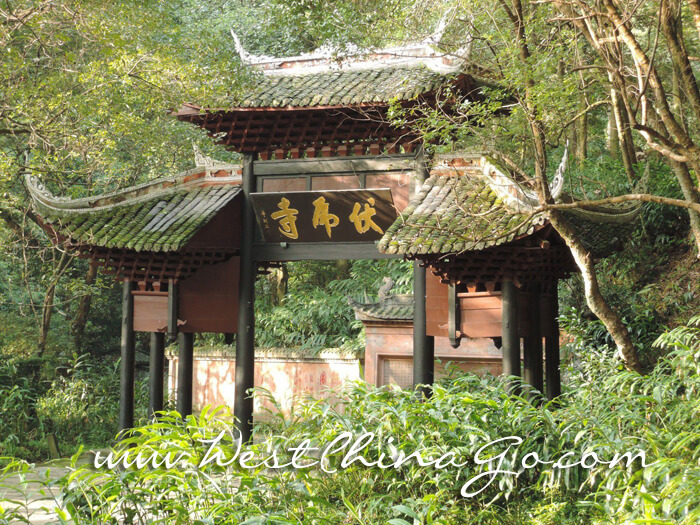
x,y
518,197
208,163
39,191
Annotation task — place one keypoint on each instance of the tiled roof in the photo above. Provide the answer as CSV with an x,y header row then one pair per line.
x,y
392,308
453,213
161,216
605,231
343,87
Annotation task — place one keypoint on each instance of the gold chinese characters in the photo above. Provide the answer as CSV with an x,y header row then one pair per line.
x,y
323,217
362,217
287,219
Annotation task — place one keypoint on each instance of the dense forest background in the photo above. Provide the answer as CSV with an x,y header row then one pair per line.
x,y
85,100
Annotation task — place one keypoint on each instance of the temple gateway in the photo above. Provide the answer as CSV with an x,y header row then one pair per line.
x,y
325,175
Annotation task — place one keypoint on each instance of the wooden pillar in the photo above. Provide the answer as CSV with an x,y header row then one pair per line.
x,y
551,346
245,337
532,344
185,372
423,345
155,373
128,358
172,308
509,329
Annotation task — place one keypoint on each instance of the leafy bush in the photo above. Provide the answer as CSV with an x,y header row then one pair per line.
x,y
22,431
603,412
82,406
315,312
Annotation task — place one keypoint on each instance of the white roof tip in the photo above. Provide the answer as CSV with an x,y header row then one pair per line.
x,y
354,58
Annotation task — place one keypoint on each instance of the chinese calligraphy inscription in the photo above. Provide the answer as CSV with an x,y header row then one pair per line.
x,y
324,216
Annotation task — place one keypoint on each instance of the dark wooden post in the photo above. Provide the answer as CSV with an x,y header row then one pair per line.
x,y
172,309
155,370
509,329
532,344
245,337
128,358
185,373
423,345
551,345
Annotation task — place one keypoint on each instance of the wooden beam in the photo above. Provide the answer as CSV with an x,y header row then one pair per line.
x,y
335,165
509,329
185,373
156,370
303,251
551,347
245,337
532,345
128,358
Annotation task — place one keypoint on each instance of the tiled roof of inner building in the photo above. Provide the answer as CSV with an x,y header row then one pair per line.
x,y
391,309
161,216
456,213
343,87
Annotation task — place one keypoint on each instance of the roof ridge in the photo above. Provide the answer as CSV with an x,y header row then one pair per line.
x,y
140,192
428,63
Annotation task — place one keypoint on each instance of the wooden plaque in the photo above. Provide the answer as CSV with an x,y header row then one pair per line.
x,y
324,216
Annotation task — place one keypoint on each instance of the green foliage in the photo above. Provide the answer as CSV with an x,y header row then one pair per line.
x,y
647,282
82,406
602,411
286,28
87,88
22,431
315,312
78,402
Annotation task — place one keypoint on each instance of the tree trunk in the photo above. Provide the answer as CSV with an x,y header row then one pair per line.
x,y
81,314
582,138
683,71
595,299
47,305
596,302
691,194
282,278
695,9
612,135
624,135
343,266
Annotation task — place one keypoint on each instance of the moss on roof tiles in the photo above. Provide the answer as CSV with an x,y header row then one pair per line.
x,y
343,87
160,217
452,214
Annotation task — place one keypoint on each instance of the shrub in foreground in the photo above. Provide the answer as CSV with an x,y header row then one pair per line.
x,y
604,413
